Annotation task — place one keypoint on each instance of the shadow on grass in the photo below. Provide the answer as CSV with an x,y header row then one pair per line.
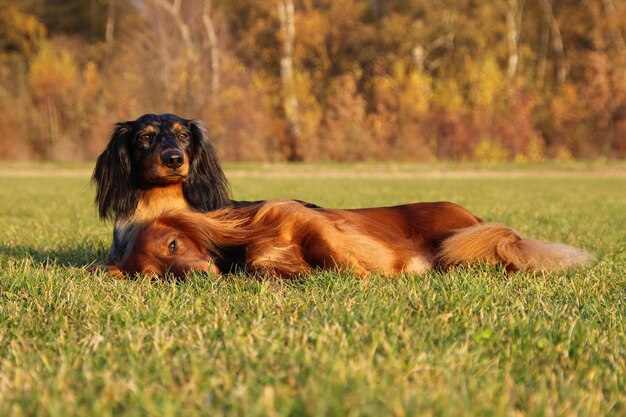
x,y
79,256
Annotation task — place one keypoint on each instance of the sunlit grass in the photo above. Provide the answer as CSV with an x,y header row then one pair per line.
x,y
471,342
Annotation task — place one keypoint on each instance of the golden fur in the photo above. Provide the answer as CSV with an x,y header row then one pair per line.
x,y
286,238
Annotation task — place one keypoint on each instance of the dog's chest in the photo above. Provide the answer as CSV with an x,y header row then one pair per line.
x,y
155,202
152,203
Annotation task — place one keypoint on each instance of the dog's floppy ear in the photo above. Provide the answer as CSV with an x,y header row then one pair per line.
x,y
210,231
114,178
207,187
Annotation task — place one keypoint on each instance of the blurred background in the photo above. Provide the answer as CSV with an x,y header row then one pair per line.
x,y
320,80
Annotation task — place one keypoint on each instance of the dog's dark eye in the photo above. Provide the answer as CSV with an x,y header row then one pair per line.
x,y
172,246
144,137
183,135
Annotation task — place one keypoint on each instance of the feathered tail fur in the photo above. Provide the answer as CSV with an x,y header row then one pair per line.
x,y
498,244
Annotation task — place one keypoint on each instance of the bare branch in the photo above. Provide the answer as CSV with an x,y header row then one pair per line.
x,y
174,11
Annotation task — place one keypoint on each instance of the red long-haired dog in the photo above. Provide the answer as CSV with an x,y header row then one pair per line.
x,y
286,238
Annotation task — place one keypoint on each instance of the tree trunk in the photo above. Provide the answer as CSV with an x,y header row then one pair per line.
x,y
559,49
109,32
290,99
514,16
545,42
557,44
110,24
173,9
212,46
616,32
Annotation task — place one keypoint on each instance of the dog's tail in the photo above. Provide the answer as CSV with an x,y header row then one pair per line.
x,y
498,244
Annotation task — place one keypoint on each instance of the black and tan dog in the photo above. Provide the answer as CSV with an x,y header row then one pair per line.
x,y
156,163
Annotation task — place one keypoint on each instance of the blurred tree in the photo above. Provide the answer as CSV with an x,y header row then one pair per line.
x,y
323,79
89,19
286,17
20,31
53,81
346,137
212,46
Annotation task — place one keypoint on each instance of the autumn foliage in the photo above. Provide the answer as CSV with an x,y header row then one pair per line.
x,y
317,80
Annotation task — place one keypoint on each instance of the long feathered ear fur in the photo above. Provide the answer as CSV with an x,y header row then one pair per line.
x,y
212,231
207,187
114,177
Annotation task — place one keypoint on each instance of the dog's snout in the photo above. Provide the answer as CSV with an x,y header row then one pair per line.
x,y
172,158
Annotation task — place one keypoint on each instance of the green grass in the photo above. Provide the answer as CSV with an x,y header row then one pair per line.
x,y
471,342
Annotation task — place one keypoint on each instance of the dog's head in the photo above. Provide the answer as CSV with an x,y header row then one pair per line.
x,y
161,249
181,241
153,151
159,149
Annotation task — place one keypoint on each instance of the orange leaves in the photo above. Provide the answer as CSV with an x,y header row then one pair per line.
x,y
361,80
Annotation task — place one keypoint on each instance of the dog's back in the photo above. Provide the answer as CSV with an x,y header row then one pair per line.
x,y
291,237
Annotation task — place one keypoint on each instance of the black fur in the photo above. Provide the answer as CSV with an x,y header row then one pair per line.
x,y
207,188
116,181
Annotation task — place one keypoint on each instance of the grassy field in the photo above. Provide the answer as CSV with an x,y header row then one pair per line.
x,y
471,342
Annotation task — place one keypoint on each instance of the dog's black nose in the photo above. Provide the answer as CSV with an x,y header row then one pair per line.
x,y
172,158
